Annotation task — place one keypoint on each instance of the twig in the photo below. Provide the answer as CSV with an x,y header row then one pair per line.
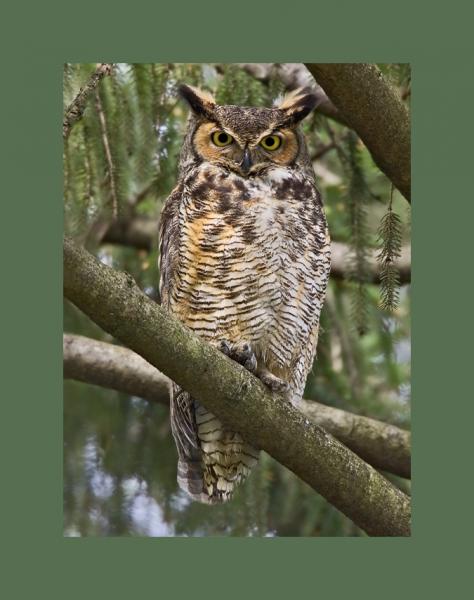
x,y
108,154
320,152
142,194
292,75
76,109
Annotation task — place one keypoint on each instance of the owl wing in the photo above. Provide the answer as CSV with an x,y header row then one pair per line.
x,y
183,421
169,244
321,260
315,268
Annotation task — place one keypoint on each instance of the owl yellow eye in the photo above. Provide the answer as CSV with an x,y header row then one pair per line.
x,y
270,142
221,138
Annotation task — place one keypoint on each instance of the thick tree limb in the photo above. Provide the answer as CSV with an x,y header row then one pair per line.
x,y
381,445
114,301
384,446
76,109
374,109
141,233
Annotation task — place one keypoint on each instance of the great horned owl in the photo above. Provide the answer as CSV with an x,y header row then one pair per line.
x,y
244,262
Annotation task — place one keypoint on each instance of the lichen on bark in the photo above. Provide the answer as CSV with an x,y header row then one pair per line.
x,y
238,398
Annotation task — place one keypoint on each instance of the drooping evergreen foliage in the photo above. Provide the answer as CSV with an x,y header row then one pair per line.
x,y
357,197
390,235
120,162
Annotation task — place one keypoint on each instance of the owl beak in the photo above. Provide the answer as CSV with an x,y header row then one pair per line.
x,y
246,163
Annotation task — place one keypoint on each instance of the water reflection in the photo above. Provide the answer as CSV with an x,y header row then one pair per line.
x,y
120,480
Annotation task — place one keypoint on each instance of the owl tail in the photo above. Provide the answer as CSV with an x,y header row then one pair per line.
x,y
226,459
190,480
211,472
212,483
202,484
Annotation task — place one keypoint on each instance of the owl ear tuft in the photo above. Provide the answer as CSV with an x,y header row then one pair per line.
x,y
298,104
201,102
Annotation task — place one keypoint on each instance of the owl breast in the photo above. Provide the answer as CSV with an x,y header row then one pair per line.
x,y
253,263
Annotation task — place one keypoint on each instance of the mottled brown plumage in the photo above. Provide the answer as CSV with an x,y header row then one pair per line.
x,y
244,262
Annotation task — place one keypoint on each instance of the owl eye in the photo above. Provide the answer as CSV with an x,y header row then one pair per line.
x,y
221,138
271,142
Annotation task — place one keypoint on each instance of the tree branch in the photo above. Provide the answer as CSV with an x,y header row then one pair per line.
x,y
113,300
114,367
76,109
293,76
142,233
108,153
340,253
138,232
383,446
372,107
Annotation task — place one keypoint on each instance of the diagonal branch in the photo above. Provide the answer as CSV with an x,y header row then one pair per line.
x,y
374,109
111,366
108,154
76,109
113,300
383,446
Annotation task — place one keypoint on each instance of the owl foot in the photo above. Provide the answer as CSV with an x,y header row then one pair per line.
x,y
241,353
275,384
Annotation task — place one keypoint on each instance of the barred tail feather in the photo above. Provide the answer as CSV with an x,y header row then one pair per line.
x,y
226,458
212,459
210,470
202,484
211,483
190,480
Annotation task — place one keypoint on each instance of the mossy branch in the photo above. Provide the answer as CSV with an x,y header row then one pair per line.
x,y
373,108
383,446
114,301
76,109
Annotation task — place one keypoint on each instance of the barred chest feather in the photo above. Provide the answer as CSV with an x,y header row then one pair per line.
x,y
252,261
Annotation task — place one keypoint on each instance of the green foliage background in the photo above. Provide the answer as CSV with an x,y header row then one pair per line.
x,y
119,458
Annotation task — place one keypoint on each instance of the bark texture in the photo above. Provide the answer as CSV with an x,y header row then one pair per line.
x,y
113,300
76,109
374,109
114,367
383,446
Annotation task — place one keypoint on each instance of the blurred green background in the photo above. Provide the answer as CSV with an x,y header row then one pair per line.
x,y
120,163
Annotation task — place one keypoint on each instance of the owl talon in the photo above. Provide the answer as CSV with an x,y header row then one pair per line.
x,y
275,384
241,353
225,348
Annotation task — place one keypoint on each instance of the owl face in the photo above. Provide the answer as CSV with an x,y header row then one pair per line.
x,y
247,140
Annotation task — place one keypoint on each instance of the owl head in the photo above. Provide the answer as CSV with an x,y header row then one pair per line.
x,y
247,140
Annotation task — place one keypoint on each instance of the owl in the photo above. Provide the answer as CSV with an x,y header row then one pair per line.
x,y
244,263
